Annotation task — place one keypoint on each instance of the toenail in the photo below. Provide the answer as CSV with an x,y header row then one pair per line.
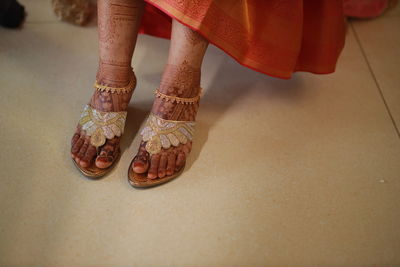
x,y
138,164
105,159
151,175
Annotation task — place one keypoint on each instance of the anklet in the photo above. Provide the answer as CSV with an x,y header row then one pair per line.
x,y
181,100
126,89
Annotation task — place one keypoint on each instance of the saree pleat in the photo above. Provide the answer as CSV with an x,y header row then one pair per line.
x,y
275,37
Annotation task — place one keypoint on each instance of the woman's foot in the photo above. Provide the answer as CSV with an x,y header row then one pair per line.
x,y
82,150
181,81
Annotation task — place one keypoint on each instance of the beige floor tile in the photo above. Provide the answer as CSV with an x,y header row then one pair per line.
x,y
38,11
394,10
380,39
301,172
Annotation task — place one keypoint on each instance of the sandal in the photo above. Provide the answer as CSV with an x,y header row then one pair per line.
x,y
160,133
100,126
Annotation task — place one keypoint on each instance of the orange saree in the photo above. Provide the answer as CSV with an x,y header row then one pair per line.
x,y
275,37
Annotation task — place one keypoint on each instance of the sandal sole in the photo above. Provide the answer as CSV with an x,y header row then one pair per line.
x,y
95,173
140,180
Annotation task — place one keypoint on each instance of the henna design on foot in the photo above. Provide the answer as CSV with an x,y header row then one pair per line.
x,y
181,81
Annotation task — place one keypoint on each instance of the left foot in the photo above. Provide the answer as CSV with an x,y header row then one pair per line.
x,y
183,82
83,149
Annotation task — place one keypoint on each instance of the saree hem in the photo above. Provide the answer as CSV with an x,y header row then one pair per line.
x,y
237,55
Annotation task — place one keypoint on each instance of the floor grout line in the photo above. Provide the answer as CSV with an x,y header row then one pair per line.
x,y
375,79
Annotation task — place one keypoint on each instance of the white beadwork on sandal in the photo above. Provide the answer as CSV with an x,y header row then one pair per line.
x,y
101,125
160,133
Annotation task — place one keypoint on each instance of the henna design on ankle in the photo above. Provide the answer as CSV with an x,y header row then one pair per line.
x,y
106,101
180,81
192,36
113,73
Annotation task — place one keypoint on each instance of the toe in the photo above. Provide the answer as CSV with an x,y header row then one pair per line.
x,y
162,165
153,170
103,161
187,148
107,154
77,146
76,135
75,138
180,161
89,156
141,162
170,164
82,151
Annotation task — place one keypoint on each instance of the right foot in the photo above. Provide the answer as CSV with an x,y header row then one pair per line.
x,y
182,81
82,151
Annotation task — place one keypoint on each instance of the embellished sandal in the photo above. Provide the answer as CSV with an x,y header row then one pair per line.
x,y
100,126
160,133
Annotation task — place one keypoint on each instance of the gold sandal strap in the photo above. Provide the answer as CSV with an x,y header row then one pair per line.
x,y
100,125
182,100
160,133
126,89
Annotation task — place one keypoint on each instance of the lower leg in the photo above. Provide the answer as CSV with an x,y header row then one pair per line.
x,y
182,72
118,24
181,78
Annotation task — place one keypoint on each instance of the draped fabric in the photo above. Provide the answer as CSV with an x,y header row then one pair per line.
x,y
275,37
365,8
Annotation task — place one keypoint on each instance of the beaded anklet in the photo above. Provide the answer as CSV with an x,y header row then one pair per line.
x,y
126,89
181,100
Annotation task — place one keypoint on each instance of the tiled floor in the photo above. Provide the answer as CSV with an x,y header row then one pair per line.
x,y
304,172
